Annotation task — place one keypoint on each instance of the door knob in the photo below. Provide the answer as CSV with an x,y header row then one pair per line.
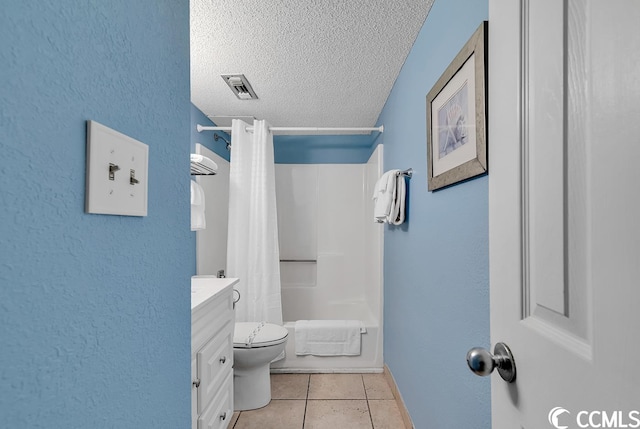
x,y
481,362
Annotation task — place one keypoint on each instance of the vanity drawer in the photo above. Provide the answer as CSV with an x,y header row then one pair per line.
x,y
218,414
215,361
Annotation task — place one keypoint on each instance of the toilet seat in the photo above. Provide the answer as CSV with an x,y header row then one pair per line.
x,y
249,335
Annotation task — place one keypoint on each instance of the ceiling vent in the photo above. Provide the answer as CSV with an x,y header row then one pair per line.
x,y
240,86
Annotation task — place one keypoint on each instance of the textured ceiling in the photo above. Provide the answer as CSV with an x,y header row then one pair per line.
x,y
328,63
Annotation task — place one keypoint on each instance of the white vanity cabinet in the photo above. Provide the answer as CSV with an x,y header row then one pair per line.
x,y
212,323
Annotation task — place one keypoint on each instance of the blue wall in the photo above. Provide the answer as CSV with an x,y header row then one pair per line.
x,y
323,149
94,310
436,265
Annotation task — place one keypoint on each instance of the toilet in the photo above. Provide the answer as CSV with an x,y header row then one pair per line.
x,y
255,345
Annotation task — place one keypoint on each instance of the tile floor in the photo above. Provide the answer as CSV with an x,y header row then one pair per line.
x,y
325,401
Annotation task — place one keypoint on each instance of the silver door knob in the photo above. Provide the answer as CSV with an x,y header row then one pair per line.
x,y
481,362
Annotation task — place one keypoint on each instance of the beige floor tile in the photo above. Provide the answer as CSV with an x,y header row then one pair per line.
x,y
385,414
234,419
289,386
376,386
336,386
279,414
337,414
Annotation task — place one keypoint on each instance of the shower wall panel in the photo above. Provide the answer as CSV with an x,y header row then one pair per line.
x,y
326,205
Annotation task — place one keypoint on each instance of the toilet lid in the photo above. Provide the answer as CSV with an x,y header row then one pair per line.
x,y
258,334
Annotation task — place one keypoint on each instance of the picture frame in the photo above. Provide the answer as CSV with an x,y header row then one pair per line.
x,y
456,117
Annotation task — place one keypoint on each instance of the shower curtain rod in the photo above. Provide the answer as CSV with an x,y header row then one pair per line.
x,y
380,129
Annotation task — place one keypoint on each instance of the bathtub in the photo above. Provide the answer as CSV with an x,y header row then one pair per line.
x,y
369,361
332,268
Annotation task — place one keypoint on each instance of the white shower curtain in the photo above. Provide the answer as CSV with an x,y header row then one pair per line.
x,y
253,254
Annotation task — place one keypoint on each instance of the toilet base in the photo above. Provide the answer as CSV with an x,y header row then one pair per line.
x,y
251,388
251,372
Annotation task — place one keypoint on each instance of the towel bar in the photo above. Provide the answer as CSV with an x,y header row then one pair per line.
x,y
408,172
298,260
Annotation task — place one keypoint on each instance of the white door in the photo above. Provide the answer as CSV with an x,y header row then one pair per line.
x,y
564,201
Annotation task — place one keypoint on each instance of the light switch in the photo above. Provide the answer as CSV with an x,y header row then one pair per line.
x,y
117,171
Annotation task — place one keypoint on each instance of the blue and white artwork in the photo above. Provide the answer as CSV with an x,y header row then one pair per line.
x,y
452,122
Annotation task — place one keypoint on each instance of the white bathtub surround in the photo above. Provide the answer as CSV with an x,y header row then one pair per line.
x,y
297,195
345,280
328,337
252,250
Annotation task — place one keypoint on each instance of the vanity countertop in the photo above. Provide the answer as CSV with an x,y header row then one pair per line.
x,y
203,288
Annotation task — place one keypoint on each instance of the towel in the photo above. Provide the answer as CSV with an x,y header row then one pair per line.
x,y
396,216
198,221
328,337
209,164
383,195
389,195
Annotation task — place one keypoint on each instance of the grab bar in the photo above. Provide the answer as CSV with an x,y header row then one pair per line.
x,y
299,260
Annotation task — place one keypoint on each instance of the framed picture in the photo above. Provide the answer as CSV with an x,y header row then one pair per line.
x,y
456,117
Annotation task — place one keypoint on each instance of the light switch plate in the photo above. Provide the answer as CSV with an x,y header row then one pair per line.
x,y
117,171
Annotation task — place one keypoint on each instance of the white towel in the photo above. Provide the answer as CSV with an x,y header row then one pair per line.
x,y
389,195
198,220
207,162
383,195
396,216
328,337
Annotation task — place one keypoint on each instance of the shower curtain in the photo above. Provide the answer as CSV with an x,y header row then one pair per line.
x,y
253,254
